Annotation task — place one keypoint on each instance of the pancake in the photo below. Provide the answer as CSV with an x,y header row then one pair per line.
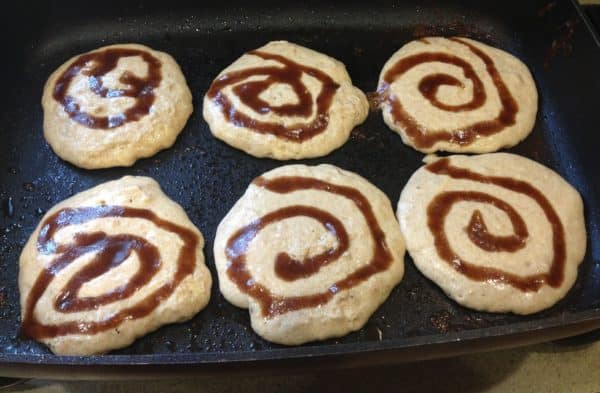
x,y
284,101
114,105
457,95
109,265
311,252
497,232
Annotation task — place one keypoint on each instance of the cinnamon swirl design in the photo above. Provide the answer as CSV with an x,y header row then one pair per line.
x,y
114,105
310,251
109,265
95,66
457,95
284,101
497,232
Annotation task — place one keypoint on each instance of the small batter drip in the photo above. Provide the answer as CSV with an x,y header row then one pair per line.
x,y
290,73
429,85
109,252
97,64
290,269
441,205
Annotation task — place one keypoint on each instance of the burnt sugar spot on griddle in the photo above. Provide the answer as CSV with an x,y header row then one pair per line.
x,y
562,43
547,8
375,99
359,51
360,134
441,321
447,28
424,30
3,297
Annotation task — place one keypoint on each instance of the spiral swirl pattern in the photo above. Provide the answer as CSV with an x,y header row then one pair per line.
x,y
95,65
502,232
248,91
447,135
109,251
288,268
477,231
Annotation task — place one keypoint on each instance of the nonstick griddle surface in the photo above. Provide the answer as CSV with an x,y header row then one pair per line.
x,y
206,176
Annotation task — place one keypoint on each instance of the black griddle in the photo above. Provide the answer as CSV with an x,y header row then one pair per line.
x,y
206,176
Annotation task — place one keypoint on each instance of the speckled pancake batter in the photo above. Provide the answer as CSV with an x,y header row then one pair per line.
x,y
114,105
457,95
311,251
284,101
109,265
497,232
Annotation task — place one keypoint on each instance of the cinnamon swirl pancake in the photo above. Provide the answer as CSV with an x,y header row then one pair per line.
x,y
497,232
109,265
113,105
457,95
284,101
310,251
